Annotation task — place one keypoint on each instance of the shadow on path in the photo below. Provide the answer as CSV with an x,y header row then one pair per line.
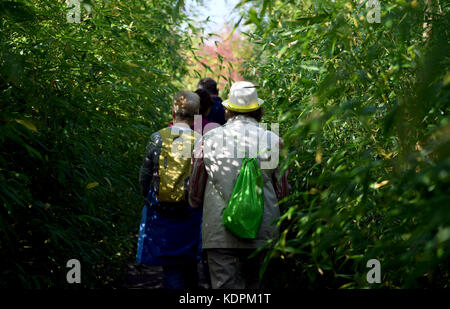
x,y
151,277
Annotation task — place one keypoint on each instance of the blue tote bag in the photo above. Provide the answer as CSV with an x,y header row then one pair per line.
x,y
167,241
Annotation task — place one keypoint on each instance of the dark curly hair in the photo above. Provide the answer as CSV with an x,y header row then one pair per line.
x,y
205,101
209,85
257,114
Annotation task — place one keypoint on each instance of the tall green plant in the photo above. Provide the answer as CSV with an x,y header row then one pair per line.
x,y
364,114
78,102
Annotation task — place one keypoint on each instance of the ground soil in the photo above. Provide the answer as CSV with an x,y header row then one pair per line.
x,y
147,277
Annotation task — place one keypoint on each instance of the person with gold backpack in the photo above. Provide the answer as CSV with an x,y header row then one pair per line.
x,y
169,233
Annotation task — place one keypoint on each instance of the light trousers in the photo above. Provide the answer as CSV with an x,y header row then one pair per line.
x,y
232,269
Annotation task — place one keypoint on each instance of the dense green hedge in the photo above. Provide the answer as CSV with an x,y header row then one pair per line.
x,y
364,112
78,102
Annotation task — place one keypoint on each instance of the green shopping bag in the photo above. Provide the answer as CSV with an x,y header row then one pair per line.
x,y
245,209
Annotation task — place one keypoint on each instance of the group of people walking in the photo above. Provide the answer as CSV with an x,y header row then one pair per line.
x,y
188,177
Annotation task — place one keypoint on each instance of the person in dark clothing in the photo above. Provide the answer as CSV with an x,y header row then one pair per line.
x,y
217,112
206,104
169,232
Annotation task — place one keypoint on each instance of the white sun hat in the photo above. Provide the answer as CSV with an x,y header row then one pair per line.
x,y
243,98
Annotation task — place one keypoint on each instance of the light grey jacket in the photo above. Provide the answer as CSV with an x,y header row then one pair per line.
x,y
223,150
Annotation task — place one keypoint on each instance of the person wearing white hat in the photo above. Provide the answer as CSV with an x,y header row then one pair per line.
x,y
216,163
243,98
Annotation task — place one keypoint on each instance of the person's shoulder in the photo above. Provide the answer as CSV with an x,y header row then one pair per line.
x,y
272,135
209,125
217,99
214,131
155,139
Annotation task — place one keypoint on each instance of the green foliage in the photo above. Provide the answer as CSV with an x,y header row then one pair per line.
x,y
364,114
363,111
78,102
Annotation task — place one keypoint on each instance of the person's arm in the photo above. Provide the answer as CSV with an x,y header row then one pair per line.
x,y
198,178
150,163
280,184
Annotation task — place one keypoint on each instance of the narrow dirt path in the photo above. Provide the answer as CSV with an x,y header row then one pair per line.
x,y
148,277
